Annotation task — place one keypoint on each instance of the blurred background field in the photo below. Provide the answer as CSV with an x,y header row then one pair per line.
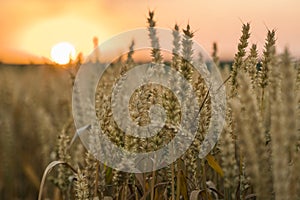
x,y
35,104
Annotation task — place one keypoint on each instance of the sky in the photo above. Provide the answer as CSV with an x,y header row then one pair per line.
x,y
30,28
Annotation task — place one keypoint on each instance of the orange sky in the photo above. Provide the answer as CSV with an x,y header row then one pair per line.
x,y
29,28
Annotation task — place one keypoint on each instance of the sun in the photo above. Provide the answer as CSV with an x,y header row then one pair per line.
x,y
62,52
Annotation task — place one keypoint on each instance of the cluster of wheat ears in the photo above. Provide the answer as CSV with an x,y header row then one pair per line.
x,y
256,157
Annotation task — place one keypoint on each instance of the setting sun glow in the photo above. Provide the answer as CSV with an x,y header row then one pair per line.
x,y
62,52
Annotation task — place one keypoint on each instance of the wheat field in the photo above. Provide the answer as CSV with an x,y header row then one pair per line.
x,y
256,157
